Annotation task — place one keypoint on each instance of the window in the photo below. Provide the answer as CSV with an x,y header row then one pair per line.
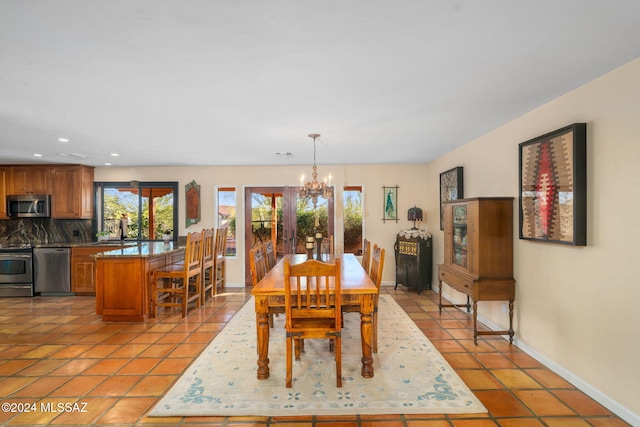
x,y
227,216
352,202
150,208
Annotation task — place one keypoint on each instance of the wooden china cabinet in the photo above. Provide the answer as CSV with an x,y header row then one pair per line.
x,y
478,254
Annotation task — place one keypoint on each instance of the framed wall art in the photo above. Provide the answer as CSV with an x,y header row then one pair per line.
x,y
390,204
553,186
192,197
451,188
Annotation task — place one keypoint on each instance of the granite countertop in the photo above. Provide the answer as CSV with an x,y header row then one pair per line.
x,y
144,249
114,243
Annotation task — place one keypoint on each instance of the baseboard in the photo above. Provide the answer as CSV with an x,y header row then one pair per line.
x,y
615,407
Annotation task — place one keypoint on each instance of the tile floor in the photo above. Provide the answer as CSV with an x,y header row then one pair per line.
x,y
56,351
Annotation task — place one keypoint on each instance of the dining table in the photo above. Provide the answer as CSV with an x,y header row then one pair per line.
x,y
357,291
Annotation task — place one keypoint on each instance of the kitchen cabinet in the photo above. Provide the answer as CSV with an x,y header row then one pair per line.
x,y
413,251
4,190
72,192
83,267
30,180
478,254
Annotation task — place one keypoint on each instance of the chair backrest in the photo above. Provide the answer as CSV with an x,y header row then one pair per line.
x,y
193,252
208,246
257,264
221,242
270,255
366,255
377,265
312,291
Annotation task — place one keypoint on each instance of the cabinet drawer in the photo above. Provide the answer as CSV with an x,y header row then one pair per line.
x,y
459,283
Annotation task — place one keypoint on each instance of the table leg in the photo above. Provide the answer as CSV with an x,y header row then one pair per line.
x,y
366,334
262,322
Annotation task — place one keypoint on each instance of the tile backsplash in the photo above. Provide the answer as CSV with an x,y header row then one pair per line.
x,y
38,231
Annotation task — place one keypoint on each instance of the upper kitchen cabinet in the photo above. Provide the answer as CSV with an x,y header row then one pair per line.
x,y
4,190
30,180
72,192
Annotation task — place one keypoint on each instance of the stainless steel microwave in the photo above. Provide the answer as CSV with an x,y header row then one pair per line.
x,y
29,206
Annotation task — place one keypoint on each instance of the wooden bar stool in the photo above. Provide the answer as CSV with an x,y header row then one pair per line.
x,y
221,258
177,285
208,263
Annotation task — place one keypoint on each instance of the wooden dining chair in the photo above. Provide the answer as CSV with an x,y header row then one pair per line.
x,y
176,285
270,255
312,307
257,264
220,258
208,263
366,255
377,266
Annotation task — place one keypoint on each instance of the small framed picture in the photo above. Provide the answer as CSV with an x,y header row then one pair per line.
x,y
390,204
451,188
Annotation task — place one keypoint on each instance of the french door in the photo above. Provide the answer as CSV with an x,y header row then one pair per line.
x,y
279,214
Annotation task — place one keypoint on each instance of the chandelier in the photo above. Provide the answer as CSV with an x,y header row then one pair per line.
x,y
314,188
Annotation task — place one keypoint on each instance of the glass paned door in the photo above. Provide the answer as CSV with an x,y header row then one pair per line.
x,y
280,215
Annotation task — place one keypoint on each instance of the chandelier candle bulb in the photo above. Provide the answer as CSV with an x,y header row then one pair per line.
x,y
310,239
318,235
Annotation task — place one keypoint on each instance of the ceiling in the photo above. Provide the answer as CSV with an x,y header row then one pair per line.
x,y
233,82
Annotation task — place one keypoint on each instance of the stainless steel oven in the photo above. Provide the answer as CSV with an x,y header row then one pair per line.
x,y
16,271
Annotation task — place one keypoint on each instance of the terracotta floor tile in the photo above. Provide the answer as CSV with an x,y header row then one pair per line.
x,y
521,422
106,366
428,423
42,351
448,346
140,366
502,404
515,378
158,350
494,360
11,385
42,367
80,385
475,423
41,387
116,385
477,379
187,350
10,367
543,403
566,422
99,351
152,385
95,407
462,360
74,367
174,365
129,350
581,403
548,378
127,411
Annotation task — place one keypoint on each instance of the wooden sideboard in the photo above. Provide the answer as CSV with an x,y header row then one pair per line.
x,y
478,254
123,278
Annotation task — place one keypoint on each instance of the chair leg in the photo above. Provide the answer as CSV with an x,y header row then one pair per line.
x,y
289,362
338,356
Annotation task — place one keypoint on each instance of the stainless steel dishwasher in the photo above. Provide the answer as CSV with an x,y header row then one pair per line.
x,y
52,271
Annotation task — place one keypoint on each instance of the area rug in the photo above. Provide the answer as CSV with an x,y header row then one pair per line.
x,y
411,376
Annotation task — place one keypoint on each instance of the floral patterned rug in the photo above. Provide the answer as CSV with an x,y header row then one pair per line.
x,y
411,376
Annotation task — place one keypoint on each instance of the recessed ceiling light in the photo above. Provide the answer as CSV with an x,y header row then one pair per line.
x,y
107,164
114,154
63,139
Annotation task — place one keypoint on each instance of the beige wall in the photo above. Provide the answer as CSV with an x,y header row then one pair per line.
x,y
410,179
575,306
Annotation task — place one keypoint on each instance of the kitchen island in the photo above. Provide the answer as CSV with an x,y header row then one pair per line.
x,y
123,277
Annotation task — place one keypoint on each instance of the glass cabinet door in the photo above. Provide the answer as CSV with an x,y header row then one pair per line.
x,y
459,244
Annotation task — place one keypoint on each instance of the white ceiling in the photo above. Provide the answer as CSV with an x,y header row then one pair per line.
x,y
231,82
